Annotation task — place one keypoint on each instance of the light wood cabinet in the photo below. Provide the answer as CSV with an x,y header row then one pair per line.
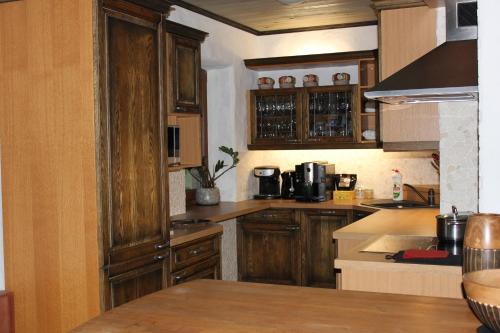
x,y
83,158
405,35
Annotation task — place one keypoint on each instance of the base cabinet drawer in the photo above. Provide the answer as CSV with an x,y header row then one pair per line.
x,y
195,251
208,269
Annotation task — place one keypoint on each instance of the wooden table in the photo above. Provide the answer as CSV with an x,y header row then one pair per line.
x,y
230,307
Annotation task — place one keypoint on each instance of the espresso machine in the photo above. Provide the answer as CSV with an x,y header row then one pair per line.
x,y
269,182
310,183
288,184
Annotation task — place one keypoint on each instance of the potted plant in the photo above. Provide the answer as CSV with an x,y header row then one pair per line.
x,y
209,193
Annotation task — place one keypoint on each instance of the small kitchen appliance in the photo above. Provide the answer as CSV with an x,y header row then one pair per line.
x,y
287,184
269,182
310,184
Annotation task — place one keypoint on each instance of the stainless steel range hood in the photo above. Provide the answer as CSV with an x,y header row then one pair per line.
x,y
446,74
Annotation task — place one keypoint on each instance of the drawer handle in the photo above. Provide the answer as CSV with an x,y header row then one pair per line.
x,y
313,140
179,277
292,227
162,246
332,212
159,258
180,109
293,140
195,252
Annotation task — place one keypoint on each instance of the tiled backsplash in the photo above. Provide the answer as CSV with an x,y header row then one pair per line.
x,y
459,156
177,192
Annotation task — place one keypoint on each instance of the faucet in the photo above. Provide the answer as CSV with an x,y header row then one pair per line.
x,y
431,198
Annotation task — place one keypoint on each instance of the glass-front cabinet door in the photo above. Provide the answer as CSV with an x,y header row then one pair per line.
x,y
276,116
329,114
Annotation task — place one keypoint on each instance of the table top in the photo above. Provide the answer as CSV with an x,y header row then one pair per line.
x,y
227,306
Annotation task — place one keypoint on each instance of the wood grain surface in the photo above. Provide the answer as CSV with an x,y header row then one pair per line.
x,y
405,35
6,312
48,162
224,306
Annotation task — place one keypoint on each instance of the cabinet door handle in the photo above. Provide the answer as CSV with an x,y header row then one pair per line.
x,y
159,258
195,252
162,246
292,227
180,109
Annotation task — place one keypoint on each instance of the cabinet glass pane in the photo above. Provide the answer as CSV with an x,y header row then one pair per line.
x,y
330,114
276,116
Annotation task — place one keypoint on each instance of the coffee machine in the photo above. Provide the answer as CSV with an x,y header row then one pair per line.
x,y
310,183
288,184
269,182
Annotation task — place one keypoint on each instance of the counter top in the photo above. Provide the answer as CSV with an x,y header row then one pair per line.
x,y
226,306
405,222
180,236
229,210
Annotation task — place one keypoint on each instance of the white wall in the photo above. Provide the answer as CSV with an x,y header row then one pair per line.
x,y
489,115
223,53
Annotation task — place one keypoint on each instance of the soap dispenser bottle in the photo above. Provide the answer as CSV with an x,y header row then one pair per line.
x,y
397,185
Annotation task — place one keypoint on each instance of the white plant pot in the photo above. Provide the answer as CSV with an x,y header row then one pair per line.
x,y
207,196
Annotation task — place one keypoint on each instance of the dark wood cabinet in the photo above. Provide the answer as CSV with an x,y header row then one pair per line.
x,y
322,117
132,161
320,247
269,248
197,259
132,284
285,246
208,269
183,67
304,117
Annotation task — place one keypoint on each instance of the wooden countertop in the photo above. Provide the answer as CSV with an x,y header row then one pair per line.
x,y
229,210
406,222
180,236
226,307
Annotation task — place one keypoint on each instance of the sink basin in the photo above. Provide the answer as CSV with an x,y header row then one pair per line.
x,y
390,204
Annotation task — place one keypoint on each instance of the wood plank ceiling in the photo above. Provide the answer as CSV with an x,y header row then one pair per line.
x,y
266,17
270,16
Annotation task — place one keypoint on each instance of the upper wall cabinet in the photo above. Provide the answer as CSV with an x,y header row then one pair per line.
x,y
320,117
183,68
406,34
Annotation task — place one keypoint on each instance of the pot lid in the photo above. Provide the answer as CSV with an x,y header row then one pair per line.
x,y
455,215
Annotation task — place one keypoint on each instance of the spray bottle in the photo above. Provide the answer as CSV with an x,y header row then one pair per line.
x,y
397,185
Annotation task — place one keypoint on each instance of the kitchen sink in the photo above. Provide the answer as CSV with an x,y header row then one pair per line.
x,y
391,204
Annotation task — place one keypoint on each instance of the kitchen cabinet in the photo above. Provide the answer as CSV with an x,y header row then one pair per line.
x,y
184,67
321,249
132,161
197,259
406,34
285,246
269,248
135,283
95,160
322,117
185,91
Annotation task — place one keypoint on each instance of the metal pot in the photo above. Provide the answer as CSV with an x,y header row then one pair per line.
x,y
451,227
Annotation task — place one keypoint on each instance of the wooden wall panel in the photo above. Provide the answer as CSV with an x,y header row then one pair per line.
x,y
48,162
406,35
